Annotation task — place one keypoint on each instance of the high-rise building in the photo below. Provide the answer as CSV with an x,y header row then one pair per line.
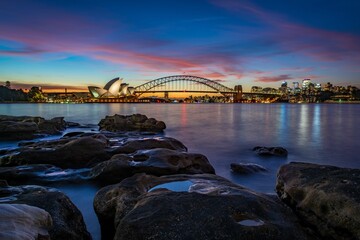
x,y
283,87
305,83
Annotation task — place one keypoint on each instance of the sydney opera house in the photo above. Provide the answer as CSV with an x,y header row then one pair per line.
x,y
115,88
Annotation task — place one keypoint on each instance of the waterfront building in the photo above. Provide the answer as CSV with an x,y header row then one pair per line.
x,y
256,89
284,87
328,87
113,89
305,84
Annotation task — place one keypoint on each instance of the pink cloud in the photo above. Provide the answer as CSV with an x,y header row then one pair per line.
x,y
282,77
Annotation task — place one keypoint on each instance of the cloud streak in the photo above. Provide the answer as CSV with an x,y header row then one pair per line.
x,y
272,79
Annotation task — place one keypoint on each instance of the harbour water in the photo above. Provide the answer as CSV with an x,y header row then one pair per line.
x,y
226,133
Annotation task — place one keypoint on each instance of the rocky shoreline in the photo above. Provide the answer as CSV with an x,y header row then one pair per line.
x,y
153,188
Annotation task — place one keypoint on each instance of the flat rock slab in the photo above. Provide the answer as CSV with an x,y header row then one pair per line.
x,y
28,127
202,206
67,220
81,151
135,122
325,197
21,221
158,161
65,153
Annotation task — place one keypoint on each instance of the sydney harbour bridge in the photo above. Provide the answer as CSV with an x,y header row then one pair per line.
x,y
183,83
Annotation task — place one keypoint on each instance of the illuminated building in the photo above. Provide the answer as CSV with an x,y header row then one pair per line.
x,y
113,89
306,83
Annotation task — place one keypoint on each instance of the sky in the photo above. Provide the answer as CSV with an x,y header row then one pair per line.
x,y
76,43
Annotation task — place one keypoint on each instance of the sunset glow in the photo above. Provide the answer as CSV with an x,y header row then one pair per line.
x,y
74,44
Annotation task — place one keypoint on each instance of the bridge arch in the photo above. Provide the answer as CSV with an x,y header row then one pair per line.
x,y
219,88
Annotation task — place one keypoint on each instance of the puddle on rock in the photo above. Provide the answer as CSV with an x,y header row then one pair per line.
x,y
178,186
251,223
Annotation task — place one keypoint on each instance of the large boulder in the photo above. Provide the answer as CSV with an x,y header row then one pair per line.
x,y
21,221
158,161
199,206
325,197
271,151
135,122
67,220
65,153
26,127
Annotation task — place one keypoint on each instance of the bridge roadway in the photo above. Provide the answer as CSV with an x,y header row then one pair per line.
x,y
163,91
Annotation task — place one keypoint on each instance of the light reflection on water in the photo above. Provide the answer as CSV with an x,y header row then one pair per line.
x,y
226,133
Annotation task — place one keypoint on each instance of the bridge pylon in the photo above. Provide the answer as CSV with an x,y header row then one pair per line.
x,y
238,93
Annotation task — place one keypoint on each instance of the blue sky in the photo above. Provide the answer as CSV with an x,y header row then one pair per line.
x,y
73,44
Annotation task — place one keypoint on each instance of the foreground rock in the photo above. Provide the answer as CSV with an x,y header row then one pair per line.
x,y
67,220
191,207
271,151
21,221
40,173
26,127
157,162
246,168
81,152
150,143
133,122
325,197
64,153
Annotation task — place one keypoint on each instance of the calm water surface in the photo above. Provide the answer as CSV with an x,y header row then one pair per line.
x,y
226,133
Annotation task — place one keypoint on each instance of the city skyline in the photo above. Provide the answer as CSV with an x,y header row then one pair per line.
x,y
74,44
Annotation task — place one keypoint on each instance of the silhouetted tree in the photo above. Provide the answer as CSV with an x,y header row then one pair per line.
x,y
35,95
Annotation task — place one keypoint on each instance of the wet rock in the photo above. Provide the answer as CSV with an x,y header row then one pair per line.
x,y
150,143
53,126
65,153
17,130
157,162
247,168
40,173
135,122
271,151
26,127
67,220
21,221
325,197
199,206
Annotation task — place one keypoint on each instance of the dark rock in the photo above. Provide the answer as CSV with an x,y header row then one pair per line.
x,y
72,124
271,151
53,126
246,168
64,153
3,183
21,221
72,134
203,207
17,130
325,197
157,162
26,127
67,220
135,122
150,143
40,173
